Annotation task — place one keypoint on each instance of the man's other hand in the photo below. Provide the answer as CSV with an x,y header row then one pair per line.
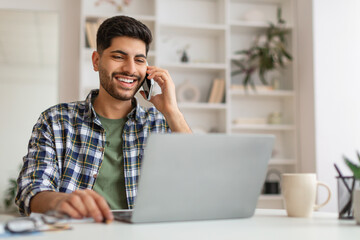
x,y
78,204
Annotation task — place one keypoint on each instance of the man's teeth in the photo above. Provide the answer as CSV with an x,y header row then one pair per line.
x,y
125,80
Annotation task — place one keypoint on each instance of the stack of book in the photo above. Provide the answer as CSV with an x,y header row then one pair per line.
x,y
217,91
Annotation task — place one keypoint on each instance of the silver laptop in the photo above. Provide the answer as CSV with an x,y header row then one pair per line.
x,y
200,177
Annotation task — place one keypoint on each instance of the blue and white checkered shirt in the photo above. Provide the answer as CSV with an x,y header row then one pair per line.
x,y
66,150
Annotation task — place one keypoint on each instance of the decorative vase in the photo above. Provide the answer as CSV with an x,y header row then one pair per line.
x,y
356,201
184,57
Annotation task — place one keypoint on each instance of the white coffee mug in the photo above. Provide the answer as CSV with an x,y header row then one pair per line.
x,y
299,193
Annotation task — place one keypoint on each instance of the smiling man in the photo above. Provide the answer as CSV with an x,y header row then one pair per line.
x,y
84,158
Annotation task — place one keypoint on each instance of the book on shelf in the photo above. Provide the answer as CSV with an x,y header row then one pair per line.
x,y
217,91
90,34
91,30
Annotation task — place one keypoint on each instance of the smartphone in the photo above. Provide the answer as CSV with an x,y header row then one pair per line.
x,y
148,86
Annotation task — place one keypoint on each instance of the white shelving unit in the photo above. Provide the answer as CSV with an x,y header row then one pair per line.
x,y
212,31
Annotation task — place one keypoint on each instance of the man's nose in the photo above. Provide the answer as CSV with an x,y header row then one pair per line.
x,y
129,67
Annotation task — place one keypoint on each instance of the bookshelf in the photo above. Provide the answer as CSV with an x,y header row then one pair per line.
x,y
212,31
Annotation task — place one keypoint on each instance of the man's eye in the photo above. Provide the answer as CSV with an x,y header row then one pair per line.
x,y
140,60
118,57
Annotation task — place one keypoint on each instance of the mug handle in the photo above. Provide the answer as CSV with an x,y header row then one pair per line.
x,y
316,207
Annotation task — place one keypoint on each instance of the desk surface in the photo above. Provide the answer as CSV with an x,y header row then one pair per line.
x,y
266,224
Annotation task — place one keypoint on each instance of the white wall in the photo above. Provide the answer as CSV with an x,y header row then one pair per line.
x,y
337,86
69,15
36,89
22,98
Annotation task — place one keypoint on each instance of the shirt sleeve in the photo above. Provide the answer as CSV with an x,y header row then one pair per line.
x,y
159,123
40,171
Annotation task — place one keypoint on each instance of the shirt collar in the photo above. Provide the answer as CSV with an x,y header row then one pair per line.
x,y
137,113
90,113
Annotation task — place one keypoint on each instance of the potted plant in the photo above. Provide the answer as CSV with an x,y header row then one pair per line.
x,y
9,199
356,192
267,53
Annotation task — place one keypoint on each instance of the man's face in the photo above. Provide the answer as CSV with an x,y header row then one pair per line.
x,y
122,67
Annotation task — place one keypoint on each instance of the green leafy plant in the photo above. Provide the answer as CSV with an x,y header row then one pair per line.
x,y
353,167
267,53
10,195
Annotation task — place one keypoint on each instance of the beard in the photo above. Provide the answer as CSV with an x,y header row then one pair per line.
x,y
122,94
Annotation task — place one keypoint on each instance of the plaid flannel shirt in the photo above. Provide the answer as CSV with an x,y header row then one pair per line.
x,y
66,150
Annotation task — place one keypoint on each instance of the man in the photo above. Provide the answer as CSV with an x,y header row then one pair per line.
x,y
85,156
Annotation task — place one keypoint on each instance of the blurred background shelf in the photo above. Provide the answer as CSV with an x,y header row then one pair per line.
x,y
211,32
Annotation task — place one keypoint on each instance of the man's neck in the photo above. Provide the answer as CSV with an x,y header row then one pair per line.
x,y
111,108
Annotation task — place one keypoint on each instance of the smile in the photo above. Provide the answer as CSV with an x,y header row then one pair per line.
x,y
125,80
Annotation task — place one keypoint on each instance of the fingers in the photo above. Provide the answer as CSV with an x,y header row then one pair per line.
x,y
92,209
67,208
159,75
86,203
104,207
152,69
76,203
101,205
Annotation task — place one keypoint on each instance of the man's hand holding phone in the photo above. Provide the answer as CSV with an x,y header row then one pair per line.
x,y
166,101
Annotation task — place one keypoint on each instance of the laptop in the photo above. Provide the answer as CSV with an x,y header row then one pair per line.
x,y
187,177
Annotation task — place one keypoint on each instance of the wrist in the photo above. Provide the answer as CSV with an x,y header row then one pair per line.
x,y
176,121
172,113
45,201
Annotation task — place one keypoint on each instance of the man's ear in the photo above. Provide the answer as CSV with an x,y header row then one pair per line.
x,y
95,60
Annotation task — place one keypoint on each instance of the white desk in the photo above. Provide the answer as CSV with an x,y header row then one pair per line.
x,y
266,224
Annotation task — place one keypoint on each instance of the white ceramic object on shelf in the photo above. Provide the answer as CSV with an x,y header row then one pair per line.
x,y
187,92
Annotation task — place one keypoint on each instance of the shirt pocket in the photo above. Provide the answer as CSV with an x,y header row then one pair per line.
x,y
81,163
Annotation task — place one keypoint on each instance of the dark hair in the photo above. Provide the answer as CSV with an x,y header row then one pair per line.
x,y
119,26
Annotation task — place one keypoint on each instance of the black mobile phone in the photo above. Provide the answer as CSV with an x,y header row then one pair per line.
x,y
148,86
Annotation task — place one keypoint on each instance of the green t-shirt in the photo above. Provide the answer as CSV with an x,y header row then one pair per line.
x,y
110,182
